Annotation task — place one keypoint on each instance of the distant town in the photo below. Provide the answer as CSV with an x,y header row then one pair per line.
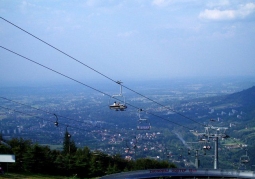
x,y
161,132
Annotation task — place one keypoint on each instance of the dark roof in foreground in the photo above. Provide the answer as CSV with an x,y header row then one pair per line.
x,y
184,173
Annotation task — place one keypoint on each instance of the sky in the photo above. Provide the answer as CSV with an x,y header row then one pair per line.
x,y
127,39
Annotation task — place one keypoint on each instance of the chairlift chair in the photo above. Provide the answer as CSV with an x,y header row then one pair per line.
x,y
117,106
206,147
245,158
143,124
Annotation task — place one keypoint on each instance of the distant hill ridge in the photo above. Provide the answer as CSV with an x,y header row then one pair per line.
x,y
246,97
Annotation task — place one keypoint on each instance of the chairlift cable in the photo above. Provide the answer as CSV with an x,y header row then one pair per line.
x,y
54,71
84,84
42,110
82,122
164,106
39,117
250,154
60,123
118,82
56,48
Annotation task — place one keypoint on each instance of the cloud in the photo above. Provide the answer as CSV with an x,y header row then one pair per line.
x,y
247,9
216,14
229,14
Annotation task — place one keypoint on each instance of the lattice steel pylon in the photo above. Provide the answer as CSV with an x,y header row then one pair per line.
x,y
215,133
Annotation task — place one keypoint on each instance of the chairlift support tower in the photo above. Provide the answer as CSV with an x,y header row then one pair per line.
x,y
215,135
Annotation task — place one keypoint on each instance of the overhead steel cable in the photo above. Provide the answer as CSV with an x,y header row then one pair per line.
x,y
164,106
84,84
82,122
54,71
64,124
98,71
238,143
39,117
43,110
52,121
56,48
78,120
167,120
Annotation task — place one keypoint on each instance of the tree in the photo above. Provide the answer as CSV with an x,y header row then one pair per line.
x,y
112,169
37,159
82,162
61,164
69,146
69,150
5,148
19,147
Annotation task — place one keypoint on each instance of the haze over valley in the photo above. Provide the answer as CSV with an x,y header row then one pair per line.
x,y
30,113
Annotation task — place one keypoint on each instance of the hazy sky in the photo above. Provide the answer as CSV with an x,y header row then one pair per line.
x,y
128,39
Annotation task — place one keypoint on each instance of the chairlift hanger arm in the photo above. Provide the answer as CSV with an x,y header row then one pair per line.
x,y
119,82
56,122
